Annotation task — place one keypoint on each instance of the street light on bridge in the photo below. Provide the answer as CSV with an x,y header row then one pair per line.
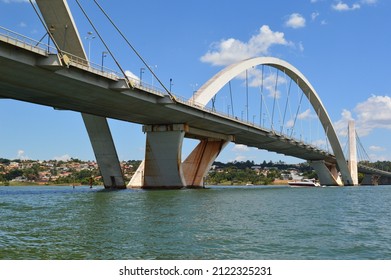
x,y
141,75
104,54
89,37
171,84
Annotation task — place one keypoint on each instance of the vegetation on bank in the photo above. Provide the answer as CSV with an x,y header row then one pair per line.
x,y
53,172
248,172
77,172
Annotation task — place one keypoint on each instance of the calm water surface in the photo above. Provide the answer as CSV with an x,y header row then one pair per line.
x,y
216,223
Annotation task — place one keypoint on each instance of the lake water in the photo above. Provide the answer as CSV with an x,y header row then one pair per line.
x,y
216,223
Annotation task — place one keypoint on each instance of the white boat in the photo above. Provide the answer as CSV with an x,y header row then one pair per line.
x,y
304,183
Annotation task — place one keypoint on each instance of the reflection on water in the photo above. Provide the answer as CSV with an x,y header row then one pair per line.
x,y
215,223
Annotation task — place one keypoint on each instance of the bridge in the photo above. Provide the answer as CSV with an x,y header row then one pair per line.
x,y
62,77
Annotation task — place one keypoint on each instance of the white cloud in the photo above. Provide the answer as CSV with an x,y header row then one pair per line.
x,y
22,155
268,81
241,153
241,158
342,7
341,126
319,143
295,21
369,2
371,114
305,115
132,76
240,148
65,157
301,46
233,50
290,123
314,15
376,149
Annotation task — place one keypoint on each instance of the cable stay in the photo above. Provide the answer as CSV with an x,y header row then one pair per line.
x,y
232,103
274,100
213,103
309,108
261,99
286,104
247,95
267,113
361,150
105,44
298,110
318,126
134,50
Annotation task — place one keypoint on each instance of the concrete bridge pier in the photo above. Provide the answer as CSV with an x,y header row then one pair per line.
x,y
327,173
370,179
163,151
105,152
162,167
199,162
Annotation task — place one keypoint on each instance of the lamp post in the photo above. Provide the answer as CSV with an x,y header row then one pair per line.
x,y
141,75
171,84
104,54
89,37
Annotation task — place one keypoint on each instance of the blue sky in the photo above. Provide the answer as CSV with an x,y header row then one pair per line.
x,y
342,47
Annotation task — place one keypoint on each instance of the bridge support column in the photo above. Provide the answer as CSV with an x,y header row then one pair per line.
x,y
327,173
104,150
162,165
198,163
370,179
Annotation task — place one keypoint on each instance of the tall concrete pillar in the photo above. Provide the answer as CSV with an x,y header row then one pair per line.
x,y
352,161
162,165
198,163
105,152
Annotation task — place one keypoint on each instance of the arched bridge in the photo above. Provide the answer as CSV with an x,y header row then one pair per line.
x,y
64,78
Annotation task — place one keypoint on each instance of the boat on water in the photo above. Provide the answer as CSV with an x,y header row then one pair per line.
x,y
304,183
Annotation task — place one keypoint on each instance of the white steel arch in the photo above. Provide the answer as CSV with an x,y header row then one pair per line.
x,y
217,82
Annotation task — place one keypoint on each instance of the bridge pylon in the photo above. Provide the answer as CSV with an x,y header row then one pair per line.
x,y
352,159
59,22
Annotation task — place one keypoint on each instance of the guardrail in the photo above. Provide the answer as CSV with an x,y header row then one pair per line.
x,y
20,40
30,44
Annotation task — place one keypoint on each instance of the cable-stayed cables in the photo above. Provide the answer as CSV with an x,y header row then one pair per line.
x,y
134,50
